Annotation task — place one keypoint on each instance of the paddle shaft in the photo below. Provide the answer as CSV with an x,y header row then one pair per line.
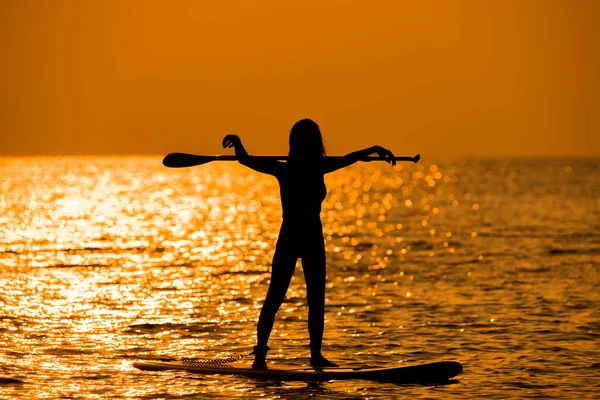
x,y
182,160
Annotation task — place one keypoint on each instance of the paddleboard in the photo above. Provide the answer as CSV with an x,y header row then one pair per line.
x,y
436,372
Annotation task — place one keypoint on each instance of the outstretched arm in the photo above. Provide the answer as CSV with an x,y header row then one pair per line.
x,y
265,166
360,155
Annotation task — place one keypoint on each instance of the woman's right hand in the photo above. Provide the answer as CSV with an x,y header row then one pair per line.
x,y
385,154
231,141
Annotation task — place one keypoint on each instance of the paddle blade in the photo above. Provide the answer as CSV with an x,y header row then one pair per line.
x,y
183,160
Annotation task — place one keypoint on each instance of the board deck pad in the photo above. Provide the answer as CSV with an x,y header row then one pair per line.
x,y
436,372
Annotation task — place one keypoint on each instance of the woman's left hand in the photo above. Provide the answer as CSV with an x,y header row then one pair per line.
x,y
231,141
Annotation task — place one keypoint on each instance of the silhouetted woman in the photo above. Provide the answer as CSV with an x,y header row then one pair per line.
x,y
302,188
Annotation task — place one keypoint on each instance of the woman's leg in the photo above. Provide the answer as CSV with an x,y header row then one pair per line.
x,y
313,265
282,271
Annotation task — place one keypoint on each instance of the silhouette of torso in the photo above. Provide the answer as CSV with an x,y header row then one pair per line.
x,y
302,189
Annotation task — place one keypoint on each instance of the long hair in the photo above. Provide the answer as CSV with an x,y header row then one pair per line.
x,y
306,141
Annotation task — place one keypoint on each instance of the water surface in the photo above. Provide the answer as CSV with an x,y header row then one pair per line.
x,y
491,262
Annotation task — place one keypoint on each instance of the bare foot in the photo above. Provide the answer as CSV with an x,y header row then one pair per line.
x,y
259,364
260,357
321,362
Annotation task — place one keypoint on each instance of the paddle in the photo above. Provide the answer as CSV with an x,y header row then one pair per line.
x,y
182,160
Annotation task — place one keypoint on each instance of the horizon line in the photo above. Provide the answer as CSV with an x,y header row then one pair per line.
x,y
506,156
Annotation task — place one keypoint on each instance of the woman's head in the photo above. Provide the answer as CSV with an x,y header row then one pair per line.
x,y
306,141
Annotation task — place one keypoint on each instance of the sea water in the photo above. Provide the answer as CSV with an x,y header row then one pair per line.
x,y
494,263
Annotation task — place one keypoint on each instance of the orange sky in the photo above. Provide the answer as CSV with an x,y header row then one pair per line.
x,y
435,77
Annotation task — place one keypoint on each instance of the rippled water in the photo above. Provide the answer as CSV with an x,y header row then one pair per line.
x,y
493,263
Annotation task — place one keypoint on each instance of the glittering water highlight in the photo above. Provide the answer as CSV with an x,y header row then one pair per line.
x,y
490,262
